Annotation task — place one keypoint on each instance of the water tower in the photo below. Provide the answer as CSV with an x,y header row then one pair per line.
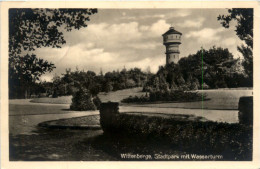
x,y
172,40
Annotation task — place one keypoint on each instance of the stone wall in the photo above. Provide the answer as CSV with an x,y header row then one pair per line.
x,y
245,108
108,111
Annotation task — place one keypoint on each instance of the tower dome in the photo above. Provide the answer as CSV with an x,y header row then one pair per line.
x,y
172,40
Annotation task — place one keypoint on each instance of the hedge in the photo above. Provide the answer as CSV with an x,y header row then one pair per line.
x,y
175,96
233,141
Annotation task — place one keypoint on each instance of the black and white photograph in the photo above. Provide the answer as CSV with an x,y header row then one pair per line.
x,y
130,84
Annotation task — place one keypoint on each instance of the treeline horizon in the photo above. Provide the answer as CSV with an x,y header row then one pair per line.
x,y
71,81
220,70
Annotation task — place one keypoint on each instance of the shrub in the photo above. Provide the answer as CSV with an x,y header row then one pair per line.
x,y
97,102
55,94
107,87
81,101
174,95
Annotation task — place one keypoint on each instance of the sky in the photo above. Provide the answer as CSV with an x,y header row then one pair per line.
x,y
118,38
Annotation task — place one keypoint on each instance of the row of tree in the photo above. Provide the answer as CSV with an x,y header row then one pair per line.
x,y
72,81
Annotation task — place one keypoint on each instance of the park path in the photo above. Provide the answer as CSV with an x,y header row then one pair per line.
x,y
24,116
28,142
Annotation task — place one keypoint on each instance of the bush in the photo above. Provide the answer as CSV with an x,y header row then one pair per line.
x,y
81,101
136,99
55,94
97,102
174,95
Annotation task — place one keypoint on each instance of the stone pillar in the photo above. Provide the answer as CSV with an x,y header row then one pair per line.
x,y
108,111
245,107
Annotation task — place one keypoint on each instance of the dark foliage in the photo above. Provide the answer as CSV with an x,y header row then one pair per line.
x,y
71,81
23,72
169,96
219,70
97,102
35,28
233,141
82,100
32,28
244,30
55,94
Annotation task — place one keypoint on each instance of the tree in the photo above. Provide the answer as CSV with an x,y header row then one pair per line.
x,y
35,28
23,72
244,30
217,63
107,87
82,100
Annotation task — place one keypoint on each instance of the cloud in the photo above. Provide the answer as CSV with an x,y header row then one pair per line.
x,y
229,41
118,37
180,13
102,34
155,30
195,23
142,16
158,28
206,35
72,56
153,63
146,45
110,47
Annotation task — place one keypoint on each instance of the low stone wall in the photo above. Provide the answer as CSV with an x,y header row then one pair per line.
x,y
108,112
245,108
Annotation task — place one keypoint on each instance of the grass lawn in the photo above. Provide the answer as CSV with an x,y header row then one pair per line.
x,y
220,99
59,100
114,96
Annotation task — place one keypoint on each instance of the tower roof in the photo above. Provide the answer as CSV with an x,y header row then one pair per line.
x,y
172,31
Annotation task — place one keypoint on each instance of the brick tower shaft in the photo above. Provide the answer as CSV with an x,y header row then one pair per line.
x,y
172,40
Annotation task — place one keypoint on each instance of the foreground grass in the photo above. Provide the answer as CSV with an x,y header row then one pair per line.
x,y
93,145
56,145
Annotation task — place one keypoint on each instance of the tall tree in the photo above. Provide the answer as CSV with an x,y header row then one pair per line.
x,y
217,63
244,30
35,28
